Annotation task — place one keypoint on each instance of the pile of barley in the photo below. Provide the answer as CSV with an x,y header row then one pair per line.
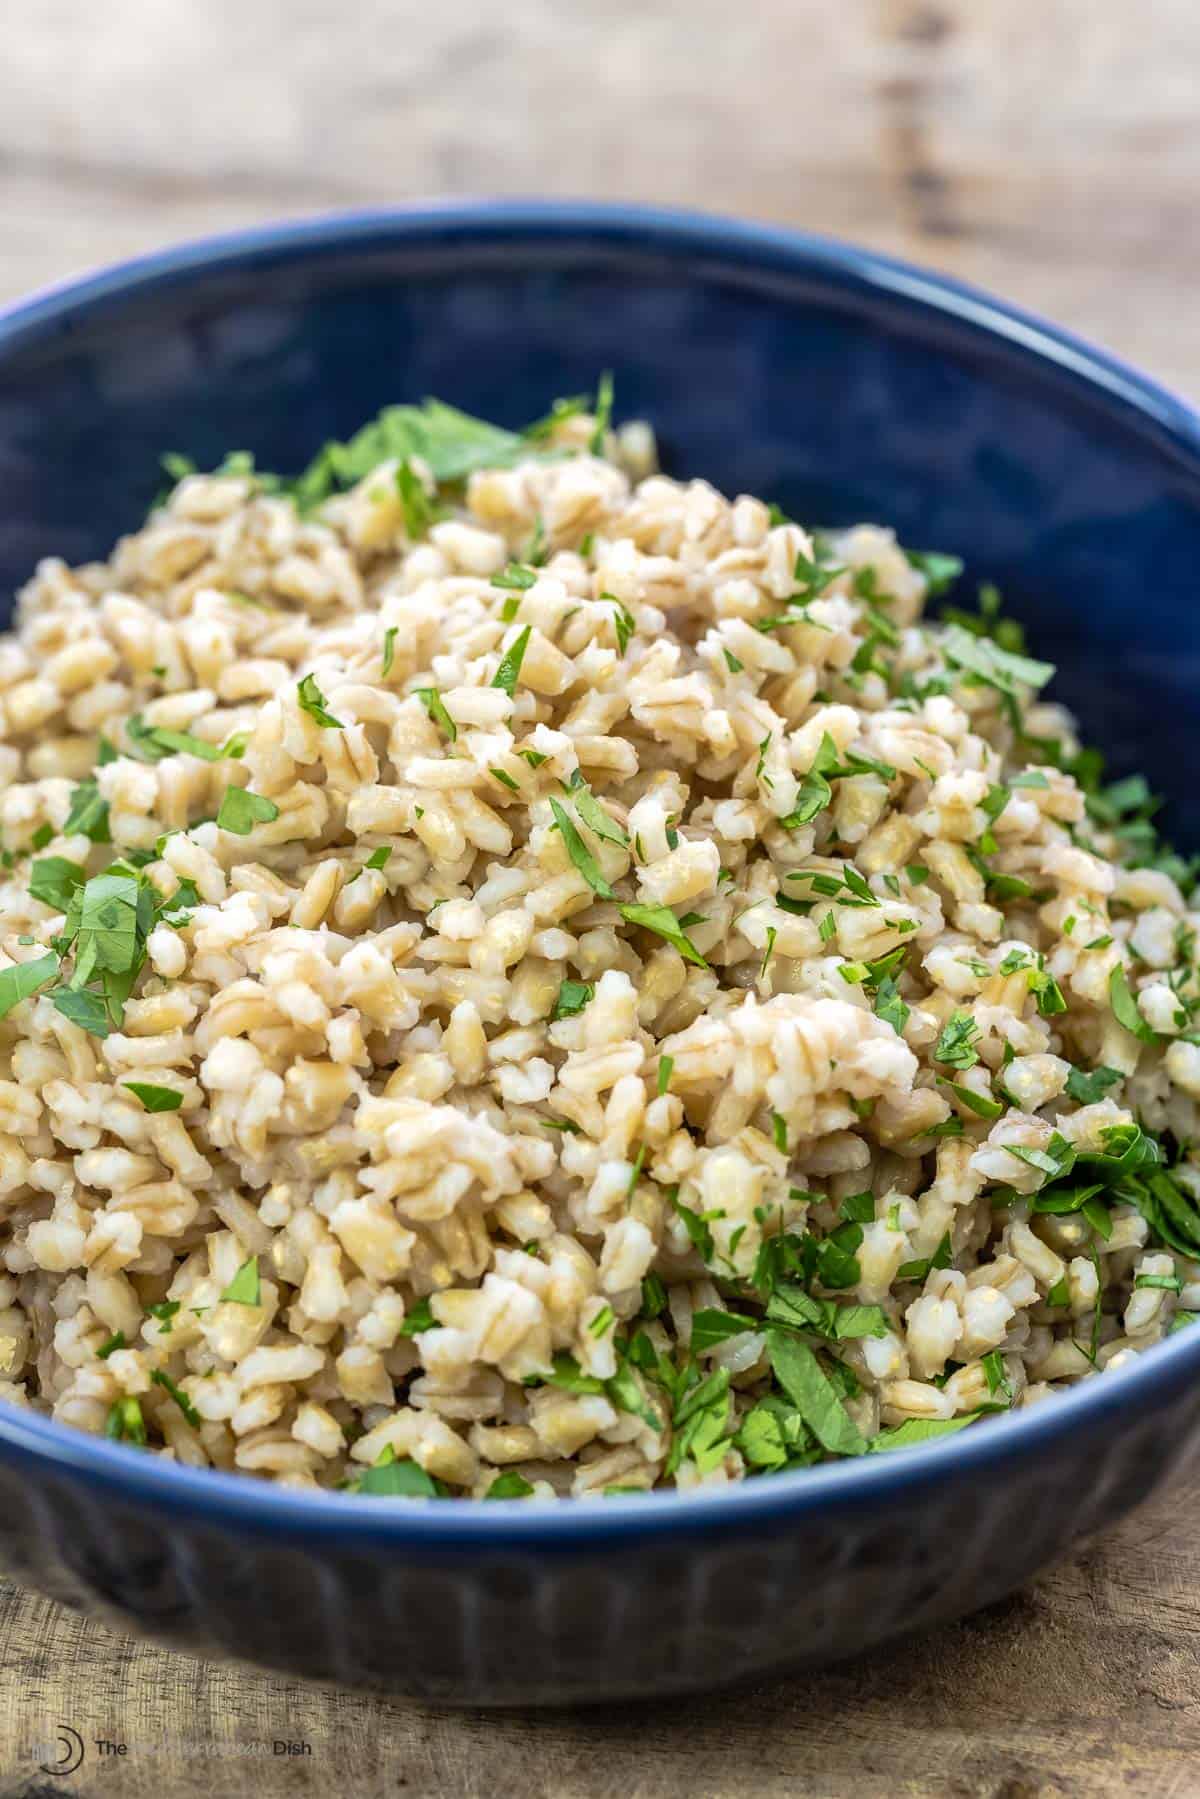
x,y
556,984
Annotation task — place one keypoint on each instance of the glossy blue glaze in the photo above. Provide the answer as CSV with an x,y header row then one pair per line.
x,y
845,386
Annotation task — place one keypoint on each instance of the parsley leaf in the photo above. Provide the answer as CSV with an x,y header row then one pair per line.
x,y
889,1006
580,854
24,979
312,701
241,810
982,1104
433,703
711,1326
245,1288
515,577
450,443
509,1485
151,743
181,1399
917,1270
603,413
86,1009
389,650
573,996
155,1099
993,666
418,509
55,880
1124,1007
915,1431
1088,1088
663,922
125,1423
799,1374
592,812
88,813
954,1045
419,1317
510,663
814,793
391,1478
624,623
940,571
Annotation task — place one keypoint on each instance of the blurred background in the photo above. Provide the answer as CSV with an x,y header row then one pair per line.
x,y
1047,149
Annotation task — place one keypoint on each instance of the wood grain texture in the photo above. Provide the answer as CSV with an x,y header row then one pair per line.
x,y
1047,149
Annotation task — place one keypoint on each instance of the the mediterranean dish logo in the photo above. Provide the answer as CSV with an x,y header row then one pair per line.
x,y
65,1751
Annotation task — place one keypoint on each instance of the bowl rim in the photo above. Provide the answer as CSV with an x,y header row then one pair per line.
x,y
728,243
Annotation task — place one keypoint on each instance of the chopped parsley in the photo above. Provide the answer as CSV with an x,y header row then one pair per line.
x,y
955,1043
981,1104
940,571
433,703
245,1288
917,1269
1089,1088
515,577
181,1399
624,623
573,996
418,509
509,1485
241,810
986,663
810,1390
389,651
419,1317
603,413
393,1478
654,1297
592,812
510,663
24,979
580,854
87,814
711,1326
312,701
125,1423
1125,1009
155,1099
915,1431
663,922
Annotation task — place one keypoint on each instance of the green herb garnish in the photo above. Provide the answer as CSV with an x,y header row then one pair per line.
x,y
573,996
241,810
510,663
155,1099
663,922
245,1288
312,701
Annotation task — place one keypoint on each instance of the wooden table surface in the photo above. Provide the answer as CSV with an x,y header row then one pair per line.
x,y
1047,149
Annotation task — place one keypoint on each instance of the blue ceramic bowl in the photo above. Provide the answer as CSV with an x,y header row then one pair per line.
x,y
846,387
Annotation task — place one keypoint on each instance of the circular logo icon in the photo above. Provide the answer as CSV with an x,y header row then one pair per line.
x,y
70,1752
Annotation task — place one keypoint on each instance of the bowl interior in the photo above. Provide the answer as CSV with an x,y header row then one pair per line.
x,y
838,384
